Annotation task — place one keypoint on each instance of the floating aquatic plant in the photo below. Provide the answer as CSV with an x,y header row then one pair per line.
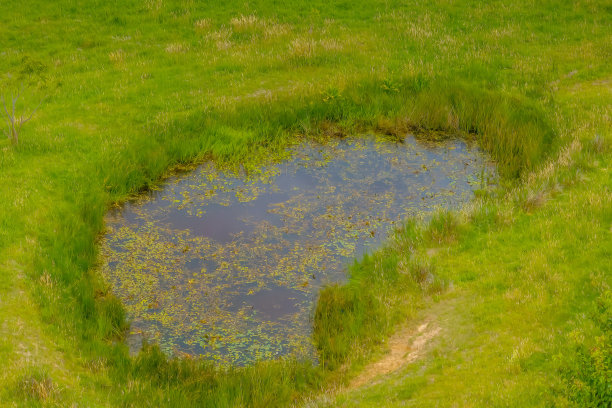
x,y
227,265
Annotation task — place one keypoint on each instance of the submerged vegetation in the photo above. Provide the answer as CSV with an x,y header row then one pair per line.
x,y
519,280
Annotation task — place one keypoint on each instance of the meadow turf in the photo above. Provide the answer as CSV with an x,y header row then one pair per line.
x,y
518,281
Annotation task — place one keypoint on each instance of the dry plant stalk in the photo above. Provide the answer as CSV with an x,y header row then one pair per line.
x,y
14,122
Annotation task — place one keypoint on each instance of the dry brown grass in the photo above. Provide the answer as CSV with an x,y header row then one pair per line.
x,y
117,56
177,48
245,23
154,5
257,26
202,25
221,38
302,48
534,200
306,48
38,387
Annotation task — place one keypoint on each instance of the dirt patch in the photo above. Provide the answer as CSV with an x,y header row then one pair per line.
x,y
405,346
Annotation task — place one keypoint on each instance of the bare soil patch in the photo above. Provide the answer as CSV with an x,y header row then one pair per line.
x,y
405,346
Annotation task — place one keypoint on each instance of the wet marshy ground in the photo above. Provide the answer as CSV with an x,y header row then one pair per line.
x,y
227,265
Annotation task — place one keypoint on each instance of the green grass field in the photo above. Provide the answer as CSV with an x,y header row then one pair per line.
x,y
521,289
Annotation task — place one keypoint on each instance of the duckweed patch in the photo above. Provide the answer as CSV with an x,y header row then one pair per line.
x,y
227,264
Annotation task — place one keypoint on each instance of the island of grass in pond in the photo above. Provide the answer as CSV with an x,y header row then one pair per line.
x,y
227,265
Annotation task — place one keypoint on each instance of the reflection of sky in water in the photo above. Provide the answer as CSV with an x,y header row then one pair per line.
x,y
228,265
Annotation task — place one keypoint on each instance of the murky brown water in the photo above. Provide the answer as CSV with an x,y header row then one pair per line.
x,y
228,266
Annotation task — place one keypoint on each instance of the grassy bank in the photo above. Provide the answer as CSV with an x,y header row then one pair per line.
x,y
132,89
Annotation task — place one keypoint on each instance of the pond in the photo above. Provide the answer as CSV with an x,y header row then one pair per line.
x,y
227,264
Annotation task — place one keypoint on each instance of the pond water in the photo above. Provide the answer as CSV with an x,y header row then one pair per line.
x,y
227,265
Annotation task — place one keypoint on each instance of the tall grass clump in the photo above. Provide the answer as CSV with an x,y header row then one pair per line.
x,y
443,228
346,318
153,378
588,370
513,130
